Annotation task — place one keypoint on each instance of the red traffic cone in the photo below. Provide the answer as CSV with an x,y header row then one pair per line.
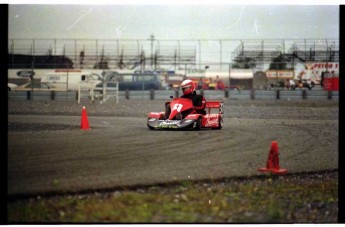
x,y
272,164
84,121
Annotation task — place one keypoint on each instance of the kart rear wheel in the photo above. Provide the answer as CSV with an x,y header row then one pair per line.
x,y
198,124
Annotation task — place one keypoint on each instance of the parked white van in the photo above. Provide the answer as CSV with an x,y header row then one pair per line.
x,y
71,79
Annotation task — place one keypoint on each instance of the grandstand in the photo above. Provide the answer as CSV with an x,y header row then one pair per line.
x,y
316,51
261,52
166,54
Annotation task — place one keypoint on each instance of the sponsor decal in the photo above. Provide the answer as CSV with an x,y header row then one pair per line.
x,y
54,78
314,70
166,123
281,74
152,119
25,73
212,105
211,121
168,126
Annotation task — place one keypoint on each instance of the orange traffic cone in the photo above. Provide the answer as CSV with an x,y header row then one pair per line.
x,y
272,164
84,121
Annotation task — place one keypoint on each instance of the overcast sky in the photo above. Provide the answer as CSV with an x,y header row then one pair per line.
x,y
78,21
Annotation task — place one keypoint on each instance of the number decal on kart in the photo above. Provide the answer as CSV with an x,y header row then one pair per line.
x,y
178,107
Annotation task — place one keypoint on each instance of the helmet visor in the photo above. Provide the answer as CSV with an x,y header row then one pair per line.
x,y
186,87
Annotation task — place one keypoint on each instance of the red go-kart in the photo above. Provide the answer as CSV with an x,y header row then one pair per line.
x,y
184,116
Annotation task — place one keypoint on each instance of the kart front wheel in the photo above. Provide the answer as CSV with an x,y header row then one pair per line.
x,y
150,127
198,124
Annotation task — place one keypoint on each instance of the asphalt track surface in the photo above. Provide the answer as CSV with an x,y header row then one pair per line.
x,y
50,154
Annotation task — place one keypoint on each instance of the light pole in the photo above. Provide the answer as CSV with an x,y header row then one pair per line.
x,y
152,38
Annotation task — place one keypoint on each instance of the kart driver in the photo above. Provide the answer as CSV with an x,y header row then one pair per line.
x,y
188,89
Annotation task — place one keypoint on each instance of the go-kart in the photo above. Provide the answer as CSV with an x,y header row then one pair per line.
x,y
184,116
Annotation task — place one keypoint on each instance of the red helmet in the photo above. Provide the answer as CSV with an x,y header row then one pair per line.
x,y
187,87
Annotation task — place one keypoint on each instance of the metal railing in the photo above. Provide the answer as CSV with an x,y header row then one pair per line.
x,y
280,94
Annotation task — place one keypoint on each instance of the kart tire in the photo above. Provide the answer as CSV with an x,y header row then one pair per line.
x,y
151,128
198,124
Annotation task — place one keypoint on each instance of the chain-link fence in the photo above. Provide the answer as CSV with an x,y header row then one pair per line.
x,y
237,64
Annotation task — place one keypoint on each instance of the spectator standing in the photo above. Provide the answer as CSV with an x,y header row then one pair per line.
x,y
200,83
220,85
292,84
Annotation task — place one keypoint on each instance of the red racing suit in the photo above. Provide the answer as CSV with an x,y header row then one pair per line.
x,y
199,102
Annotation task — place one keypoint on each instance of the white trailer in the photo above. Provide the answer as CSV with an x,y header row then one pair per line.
x,y
70,79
